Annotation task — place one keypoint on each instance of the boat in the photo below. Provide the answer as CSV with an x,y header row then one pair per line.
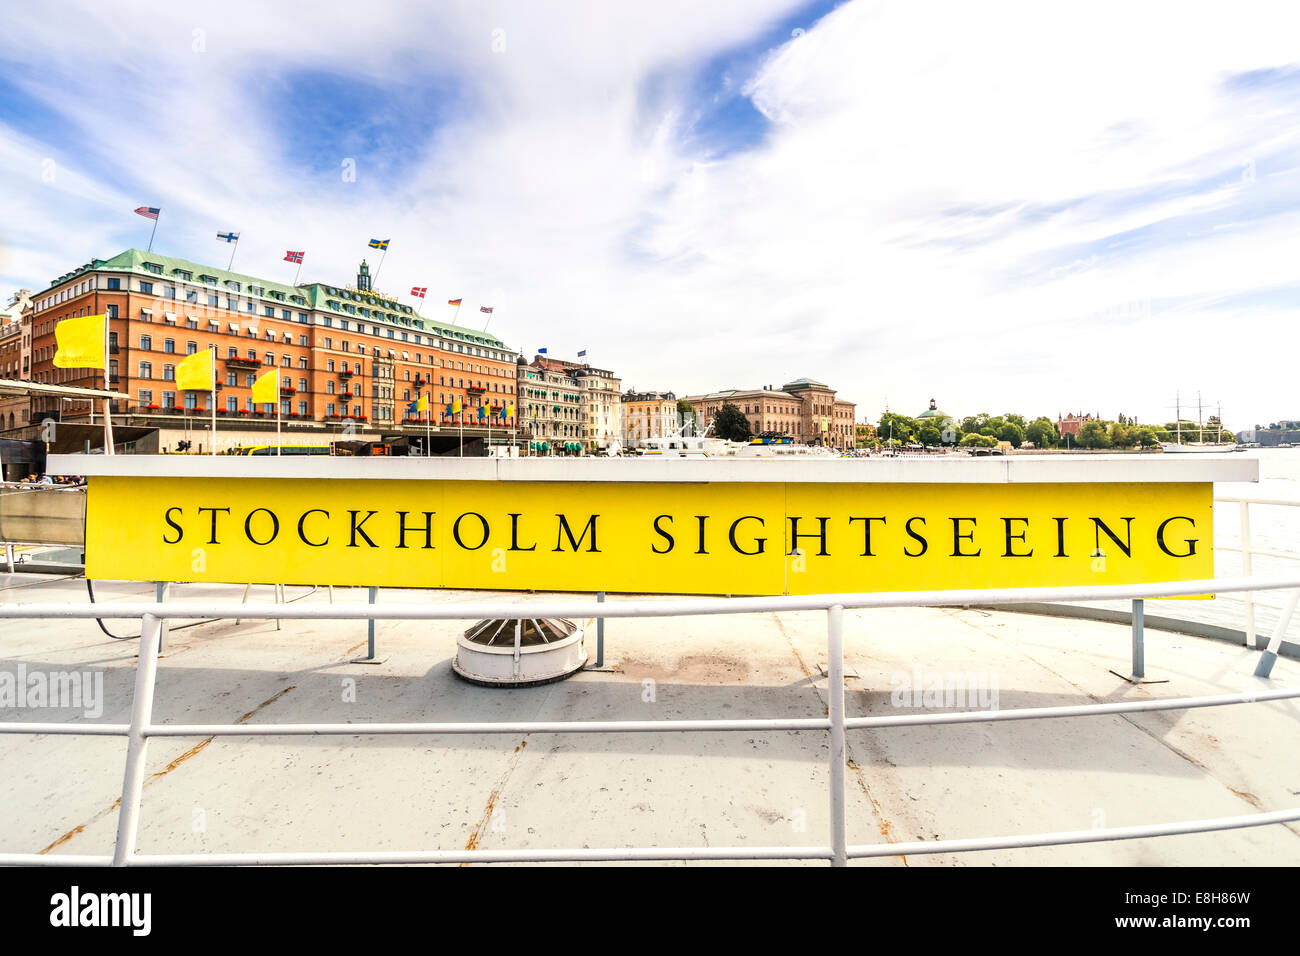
x,y
1201,446
681,445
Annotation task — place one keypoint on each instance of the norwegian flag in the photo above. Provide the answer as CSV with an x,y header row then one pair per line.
x,y
485,308
419,290
291,256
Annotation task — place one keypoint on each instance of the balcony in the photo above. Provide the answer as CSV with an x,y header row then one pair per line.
x,y
237,362
475,389
346,374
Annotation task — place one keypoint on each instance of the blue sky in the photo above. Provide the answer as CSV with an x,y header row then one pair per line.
x,y
1016,207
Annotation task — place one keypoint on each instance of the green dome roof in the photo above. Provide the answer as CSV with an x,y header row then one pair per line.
x,y
933,412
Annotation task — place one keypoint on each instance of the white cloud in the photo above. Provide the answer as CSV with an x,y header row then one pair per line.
x,y
929,212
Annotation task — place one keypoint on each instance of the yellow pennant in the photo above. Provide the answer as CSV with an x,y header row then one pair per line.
x,y
80,342
267,388
195,372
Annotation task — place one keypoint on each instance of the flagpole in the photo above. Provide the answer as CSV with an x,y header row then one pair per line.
x,y
154,230
108,419
489,444
277,412
428,426
212,396
460,427
297,275
456,319
231,265
382,256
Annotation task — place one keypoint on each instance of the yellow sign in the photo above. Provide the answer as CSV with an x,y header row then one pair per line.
x,y
712,538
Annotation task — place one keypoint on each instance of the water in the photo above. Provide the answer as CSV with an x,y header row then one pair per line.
x,y
1272,528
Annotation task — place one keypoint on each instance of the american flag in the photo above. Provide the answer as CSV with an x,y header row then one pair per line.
x,y
149,212
485,308
291,256
419,290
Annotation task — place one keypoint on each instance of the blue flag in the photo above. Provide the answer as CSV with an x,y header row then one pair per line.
x,y
541,351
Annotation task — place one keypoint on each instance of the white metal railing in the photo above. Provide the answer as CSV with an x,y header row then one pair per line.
x,y
1249,552
154,615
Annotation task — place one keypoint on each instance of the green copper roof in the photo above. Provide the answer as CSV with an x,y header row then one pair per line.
x,y
804,383
319,296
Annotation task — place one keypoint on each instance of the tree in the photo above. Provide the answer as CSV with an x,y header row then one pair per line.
x,y
976,440
1146,437
685,411
1013,433
1093,435
1042,432
903,429
730,423
929,435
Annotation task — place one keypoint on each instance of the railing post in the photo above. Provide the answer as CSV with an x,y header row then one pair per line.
x,y
1139,650
1266,660
1247,562
137,742
370,624
161,590
600,633
835,692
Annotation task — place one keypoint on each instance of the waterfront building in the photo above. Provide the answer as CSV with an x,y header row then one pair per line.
x,y
649,415
552,406
1071,423
348,355
15,356
804,409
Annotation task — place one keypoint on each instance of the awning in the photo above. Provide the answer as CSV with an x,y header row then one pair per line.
x,y
234,326
288,337
169,317
146,311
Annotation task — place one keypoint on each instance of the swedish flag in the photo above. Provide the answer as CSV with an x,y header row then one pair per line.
x,y
378,243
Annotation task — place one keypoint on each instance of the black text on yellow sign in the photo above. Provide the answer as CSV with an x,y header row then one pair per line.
x,y
714,538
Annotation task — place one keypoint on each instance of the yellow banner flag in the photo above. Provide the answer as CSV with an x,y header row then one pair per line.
x,y
510,410
455,405
267,388
196,371
423,404
80,342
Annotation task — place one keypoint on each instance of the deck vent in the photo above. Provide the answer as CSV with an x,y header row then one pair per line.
x,y
519,652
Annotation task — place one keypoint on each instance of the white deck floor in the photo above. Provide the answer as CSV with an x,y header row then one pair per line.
x,y
543,791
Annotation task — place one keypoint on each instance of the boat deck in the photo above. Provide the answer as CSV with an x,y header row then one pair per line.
x,y
665,789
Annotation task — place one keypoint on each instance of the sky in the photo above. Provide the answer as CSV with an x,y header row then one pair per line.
x,y
1004,206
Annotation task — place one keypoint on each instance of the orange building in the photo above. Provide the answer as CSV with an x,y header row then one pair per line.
x,y
346,354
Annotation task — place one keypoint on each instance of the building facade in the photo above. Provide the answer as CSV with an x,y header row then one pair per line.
x,y
552,407
648,415
1071,423
804,409
346,354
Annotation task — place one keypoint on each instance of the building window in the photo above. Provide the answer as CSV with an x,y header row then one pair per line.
x,y
169,373
146,287
146,343
232,402
191,348
110,311
169,345
302,408
146,370
114,284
